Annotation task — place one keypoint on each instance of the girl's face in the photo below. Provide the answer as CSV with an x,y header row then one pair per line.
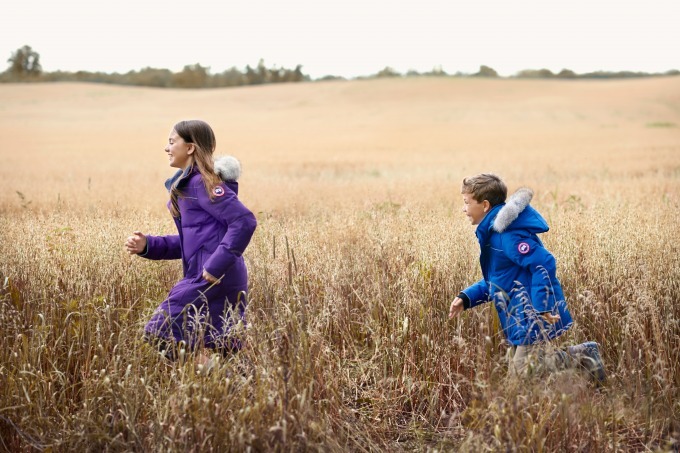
x,y
179,151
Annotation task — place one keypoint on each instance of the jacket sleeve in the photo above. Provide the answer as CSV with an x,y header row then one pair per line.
x,y
240,223
476,294
162,248
530,254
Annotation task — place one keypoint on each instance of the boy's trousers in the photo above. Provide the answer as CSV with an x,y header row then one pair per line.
x,y
540,359
536,358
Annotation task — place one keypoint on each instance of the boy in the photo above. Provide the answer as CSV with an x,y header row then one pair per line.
x,y
519,276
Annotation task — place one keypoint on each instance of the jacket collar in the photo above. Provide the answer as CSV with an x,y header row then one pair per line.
x,y
483,230
513,207
180,177
515,213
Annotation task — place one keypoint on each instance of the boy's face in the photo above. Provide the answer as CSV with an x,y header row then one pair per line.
x,y
474,210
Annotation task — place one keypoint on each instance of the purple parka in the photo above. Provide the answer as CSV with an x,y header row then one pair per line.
x,y
213,234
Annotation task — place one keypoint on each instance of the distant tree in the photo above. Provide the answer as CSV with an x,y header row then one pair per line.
x,y
150,77
192,76
330,77
24,63
535,74
485,71
229,78
437,71
276,75
258,75
387,72
262,72
298,75
566,74
255,77
613,75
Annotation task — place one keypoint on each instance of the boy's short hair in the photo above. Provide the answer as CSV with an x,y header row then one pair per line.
x,y
485,186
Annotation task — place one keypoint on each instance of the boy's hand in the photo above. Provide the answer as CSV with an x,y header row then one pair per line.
x,y
550,318
136,243
457,307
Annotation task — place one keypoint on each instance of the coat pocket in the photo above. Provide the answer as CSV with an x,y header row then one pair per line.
x,y
195,264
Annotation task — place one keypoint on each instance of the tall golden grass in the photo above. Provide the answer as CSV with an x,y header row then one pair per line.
x,y
360,248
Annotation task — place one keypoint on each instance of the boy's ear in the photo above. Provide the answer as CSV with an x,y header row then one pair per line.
x,y
487,205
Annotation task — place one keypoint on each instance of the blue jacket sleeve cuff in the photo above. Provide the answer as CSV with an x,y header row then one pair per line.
x,y
466,300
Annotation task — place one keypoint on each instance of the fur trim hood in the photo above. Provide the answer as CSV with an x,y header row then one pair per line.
x,y
228,168
515,205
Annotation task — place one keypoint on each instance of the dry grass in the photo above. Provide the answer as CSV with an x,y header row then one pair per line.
x,y
359,250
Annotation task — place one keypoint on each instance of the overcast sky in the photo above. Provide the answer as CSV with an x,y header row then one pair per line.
x,y
346,37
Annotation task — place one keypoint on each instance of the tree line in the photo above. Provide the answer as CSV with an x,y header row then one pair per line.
x,y
486,71
24,66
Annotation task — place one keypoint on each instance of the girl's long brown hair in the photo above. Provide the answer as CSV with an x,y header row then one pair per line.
x,y
203,138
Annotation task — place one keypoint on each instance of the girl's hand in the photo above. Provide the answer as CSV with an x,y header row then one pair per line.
x,y
210,278
457,307
136,243
550,318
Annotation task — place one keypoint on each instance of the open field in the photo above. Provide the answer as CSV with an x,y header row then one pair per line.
x,y
360,248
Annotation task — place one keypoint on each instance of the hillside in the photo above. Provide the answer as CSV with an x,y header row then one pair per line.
x,y
321,138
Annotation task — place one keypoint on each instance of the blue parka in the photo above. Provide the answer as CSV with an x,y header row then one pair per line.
x,y
518,273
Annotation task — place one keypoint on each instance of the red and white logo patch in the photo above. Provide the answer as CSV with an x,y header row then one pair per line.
x,y
523,248
218,191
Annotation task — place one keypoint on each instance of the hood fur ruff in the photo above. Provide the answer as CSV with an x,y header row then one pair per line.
x,y
513,207
228,168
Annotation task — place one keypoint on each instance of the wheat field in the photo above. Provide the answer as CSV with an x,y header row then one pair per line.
x,y
360,248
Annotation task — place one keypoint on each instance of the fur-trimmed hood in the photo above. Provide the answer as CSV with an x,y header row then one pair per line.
x,y
514,214
228,168
517,214
517,202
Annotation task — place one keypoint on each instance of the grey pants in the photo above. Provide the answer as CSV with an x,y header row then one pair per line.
x,y
537,358
541,359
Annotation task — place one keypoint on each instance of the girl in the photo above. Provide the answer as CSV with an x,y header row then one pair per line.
x,y
214,230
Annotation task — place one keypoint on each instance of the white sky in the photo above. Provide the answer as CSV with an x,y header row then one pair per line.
x,y
346,37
